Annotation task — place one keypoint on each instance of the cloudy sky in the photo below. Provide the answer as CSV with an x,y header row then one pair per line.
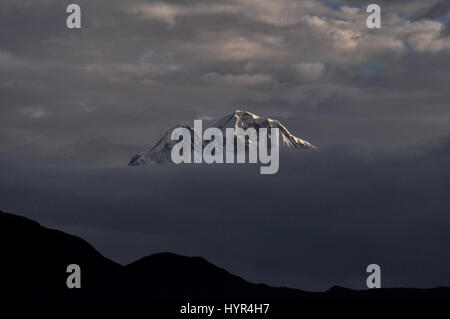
x,y
137,67
76,105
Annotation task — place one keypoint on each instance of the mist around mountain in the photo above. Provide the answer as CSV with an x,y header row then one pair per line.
x,y
34,261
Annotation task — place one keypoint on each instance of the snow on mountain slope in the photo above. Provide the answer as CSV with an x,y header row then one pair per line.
x,y
160,152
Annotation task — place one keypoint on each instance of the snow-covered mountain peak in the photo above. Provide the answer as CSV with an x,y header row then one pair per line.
x,y
160,152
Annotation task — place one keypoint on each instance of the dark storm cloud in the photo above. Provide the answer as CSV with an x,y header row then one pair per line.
x,y
320,221
139,67
440,9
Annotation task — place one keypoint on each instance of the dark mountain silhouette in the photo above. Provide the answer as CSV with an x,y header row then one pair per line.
x,y
34,261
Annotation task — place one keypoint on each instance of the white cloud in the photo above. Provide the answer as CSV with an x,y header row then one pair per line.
x,y
309,71
158,11
426,36
228,46
238,80
277,13
168,13
34,112
9,61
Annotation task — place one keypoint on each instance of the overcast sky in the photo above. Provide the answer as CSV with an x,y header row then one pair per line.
x,y
136,68
76,105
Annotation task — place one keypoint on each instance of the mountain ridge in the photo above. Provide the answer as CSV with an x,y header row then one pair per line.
x,y
160,151
35,259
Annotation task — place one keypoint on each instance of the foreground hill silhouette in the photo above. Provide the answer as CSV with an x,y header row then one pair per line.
x,y
34,261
